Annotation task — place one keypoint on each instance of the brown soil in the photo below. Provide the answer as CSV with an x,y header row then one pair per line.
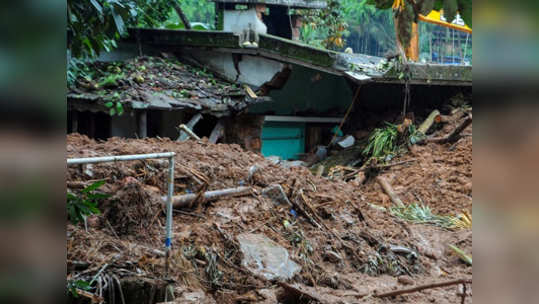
x,y
205,254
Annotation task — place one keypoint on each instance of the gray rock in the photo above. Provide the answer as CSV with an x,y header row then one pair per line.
x,y
295,163
274,159
276,193
263,257
194,297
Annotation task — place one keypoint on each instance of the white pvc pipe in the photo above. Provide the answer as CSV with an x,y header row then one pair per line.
x,y
105,159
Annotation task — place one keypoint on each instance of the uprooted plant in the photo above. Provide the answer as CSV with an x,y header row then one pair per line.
x,y
83,204
385,143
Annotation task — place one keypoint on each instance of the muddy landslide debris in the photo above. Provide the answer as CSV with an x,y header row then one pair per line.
x,y
233,249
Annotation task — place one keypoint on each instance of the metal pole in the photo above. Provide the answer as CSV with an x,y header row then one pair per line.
x,y
168,240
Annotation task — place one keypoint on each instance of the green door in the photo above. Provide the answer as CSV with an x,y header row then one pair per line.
x,y
285,140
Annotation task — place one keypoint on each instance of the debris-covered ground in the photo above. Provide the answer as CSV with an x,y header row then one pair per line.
x,y
318,240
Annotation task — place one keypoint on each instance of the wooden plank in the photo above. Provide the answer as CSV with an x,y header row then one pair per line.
x,y
191,124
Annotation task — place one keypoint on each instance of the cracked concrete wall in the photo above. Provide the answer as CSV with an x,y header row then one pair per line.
x,y
252,70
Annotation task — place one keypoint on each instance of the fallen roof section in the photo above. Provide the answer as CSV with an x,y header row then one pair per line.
x,y
159,84
357,67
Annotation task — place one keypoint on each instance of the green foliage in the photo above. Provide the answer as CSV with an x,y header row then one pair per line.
x,y
426,7
465,11
381,4
94,26
114,104
371,30
73,285
325,27
198,12
450,10
84,203
421,214
388,141
77,68
382,142
111,80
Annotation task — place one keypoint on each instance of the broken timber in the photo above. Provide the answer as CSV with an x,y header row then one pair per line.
x,y
425,126
453,136
189,132
191,124
422,287
389,190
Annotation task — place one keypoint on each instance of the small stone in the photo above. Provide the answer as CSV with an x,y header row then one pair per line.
x,y
347,142
88,170
405,280
195,297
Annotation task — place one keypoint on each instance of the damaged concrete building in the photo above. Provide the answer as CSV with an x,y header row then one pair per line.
x,y
271,93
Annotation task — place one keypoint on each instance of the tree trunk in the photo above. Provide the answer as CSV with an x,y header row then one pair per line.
x,y
455,135
180,13
425,126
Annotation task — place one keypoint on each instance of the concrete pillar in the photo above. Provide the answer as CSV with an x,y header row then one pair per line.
x,y
142,124
74,121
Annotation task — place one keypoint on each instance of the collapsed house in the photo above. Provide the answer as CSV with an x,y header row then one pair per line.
x,y
258,87
294,237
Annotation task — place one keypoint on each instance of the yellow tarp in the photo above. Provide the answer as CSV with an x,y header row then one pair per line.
x,y
436,18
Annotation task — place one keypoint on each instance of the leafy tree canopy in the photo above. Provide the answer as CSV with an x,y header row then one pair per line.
x,y
94,26
407,12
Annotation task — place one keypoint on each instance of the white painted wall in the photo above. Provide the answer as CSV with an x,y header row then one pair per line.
x,y
238,20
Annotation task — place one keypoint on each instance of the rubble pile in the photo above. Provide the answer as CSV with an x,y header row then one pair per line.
x,y
294,238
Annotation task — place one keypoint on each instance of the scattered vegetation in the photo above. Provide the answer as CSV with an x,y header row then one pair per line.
x,y
326,27
385,143
297,238
83,204
463,256
421,214
382,142
73,285
77,68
